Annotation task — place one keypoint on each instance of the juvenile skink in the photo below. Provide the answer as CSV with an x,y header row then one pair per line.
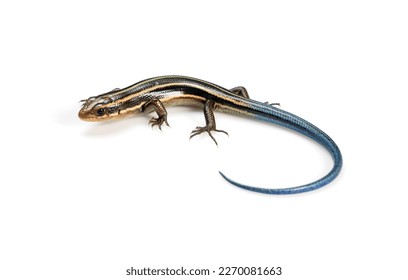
x,y
157,93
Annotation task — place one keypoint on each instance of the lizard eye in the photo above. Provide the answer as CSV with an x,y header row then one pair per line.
x,y
100,112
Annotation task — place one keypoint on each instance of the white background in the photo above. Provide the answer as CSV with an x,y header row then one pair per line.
x,y
89,200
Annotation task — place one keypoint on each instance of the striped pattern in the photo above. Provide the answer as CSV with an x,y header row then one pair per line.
x,y
177,90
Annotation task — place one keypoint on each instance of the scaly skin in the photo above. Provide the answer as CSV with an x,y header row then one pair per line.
x,y
156,94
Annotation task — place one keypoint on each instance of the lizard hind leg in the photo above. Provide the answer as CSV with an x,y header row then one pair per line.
x,y
210,122
241,91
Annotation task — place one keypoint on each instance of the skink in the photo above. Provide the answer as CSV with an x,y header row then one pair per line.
x,y
157,93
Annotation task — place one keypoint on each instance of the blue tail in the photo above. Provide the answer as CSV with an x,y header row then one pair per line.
x,y
293,122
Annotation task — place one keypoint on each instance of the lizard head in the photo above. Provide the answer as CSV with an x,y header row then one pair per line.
x,y
98,108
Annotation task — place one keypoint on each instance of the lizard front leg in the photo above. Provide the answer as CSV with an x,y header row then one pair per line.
x,y
160,111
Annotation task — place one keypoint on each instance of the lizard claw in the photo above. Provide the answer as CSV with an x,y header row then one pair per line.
x,y
159,121
201,129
